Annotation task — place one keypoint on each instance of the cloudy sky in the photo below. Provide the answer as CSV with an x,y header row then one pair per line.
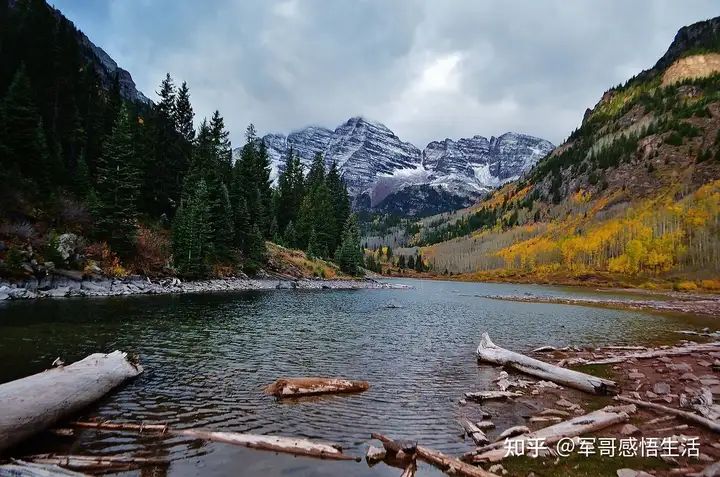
x,y
427,69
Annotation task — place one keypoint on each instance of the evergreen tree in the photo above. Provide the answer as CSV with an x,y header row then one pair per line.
x,y
256,252
411,262
401,262
118,183
221,142
350,255
290,237
291,185
340,206
166,106
182,109
27,155
419,265
192,233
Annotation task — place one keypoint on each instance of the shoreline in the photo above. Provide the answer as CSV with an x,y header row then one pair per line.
x,y
59,286
694,305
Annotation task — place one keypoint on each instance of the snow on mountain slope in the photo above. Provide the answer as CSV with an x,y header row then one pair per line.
x,y
377,165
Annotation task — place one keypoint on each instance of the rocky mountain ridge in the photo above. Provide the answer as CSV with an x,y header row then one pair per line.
x,y
385,173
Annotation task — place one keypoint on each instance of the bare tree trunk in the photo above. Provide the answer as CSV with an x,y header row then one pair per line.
x,y
272,443
577,426
688,416
32,404
489,352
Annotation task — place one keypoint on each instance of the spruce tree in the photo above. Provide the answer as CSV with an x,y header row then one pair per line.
x,y
340,206
221,142
182,110
118,183
27,155
350,255
193,233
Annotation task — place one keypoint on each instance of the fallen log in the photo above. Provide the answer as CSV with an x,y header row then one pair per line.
x,y
688,416
658,353
574,427
491,395
475,433
489,352
32,404
111,463
449,465
288,445
295,387
21,468
410,469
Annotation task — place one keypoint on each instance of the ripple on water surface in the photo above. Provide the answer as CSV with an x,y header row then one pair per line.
x,y
207,358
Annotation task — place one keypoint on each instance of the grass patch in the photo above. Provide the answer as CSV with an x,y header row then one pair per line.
x,y
599,370
580,466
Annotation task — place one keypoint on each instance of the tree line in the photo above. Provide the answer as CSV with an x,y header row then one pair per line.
x,y
78,156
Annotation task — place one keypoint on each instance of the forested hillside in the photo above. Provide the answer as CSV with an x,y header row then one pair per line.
x,y
98,179
633,195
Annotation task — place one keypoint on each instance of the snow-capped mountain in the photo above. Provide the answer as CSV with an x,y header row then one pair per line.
x,y
386,173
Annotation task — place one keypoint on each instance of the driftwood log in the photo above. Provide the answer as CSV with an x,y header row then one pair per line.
x,y
475,433
449,465
658,353
491,353
577,426
93,464
688,416
32,404
21,468
296,387
289,445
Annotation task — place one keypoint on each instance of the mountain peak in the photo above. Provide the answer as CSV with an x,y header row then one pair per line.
x,y
377,165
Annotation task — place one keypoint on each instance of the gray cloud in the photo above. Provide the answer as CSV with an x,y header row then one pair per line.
x,y
428,69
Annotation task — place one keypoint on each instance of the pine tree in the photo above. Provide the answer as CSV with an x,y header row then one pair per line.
x,y
193,233
223,148
411,262
166,106
182,109
350,255
340,206
256,252
290,236
419,265
401,262
27,154
118,183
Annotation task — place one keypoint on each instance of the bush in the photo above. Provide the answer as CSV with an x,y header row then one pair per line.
x,y
19,230
12,265
685,286
152,251
713,285
106,259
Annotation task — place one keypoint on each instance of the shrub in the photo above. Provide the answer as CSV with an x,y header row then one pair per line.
x,y
12,265
152,251
20,230
685,286
713,285
674,139
106,259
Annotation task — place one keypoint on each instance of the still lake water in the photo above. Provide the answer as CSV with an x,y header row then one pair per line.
x,y
207,358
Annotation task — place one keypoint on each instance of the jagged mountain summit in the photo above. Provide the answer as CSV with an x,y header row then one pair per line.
x,y
385,173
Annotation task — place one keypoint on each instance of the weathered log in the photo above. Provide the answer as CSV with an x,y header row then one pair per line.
x,y
577,426
289,445
451,465
475,433
21,468
658,353
32,404
296,387
374,455
491,395
688,416
110,463
447,464
489,352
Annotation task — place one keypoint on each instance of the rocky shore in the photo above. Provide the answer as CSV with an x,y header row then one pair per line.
x,y
74,285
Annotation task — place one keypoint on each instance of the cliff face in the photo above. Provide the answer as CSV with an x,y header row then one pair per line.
x,y
387,174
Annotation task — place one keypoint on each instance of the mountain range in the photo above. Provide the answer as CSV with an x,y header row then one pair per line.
x,y
388,174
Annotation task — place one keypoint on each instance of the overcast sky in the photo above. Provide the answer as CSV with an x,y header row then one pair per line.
x,y
427,69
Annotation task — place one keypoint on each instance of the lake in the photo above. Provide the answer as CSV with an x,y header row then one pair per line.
x,y
207,358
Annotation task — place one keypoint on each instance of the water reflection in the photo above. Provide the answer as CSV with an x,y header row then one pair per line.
x,y
207,358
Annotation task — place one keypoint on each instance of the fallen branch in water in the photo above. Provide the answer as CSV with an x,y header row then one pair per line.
x,y
449,465
477,435
111,463
32,404
288,445
688,416
295,387
491,353
491,395
577,426
21,468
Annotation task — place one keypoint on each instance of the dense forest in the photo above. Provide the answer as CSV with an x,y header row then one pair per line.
x,y
94,181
